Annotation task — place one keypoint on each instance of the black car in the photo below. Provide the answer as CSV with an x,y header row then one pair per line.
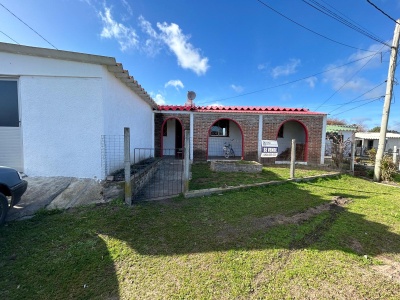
x,y
12,187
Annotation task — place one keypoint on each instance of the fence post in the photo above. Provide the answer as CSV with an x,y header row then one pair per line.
x,y
353,156
292,158
186,162
127,165
396,157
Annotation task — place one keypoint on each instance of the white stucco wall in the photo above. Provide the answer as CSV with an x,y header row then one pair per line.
x,y
291,130
61,126
124,108
66,108
169,140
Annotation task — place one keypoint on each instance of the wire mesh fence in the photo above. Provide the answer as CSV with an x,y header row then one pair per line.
x,y
158,177
112,153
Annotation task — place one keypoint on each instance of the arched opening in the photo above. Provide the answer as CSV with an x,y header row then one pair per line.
x,y
292,129
172,137
225,133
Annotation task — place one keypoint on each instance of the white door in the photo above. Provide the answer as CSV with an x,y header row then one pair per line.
x,y
10,130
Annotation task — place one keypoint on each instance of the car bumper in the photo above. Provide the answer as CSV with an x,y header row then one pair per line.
x,y
17,191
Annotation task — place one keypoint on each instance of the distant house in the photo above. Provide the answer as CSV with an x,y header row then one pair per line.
x,y
367,140
57,106
339,133
244,127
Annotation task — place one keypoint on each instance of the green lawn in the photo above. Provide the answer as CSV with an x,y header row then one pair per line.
x,y
270,242
203,177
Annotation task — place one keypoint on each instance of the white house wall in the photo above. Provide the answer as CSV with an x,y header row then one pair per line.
x,y
62,126
124,108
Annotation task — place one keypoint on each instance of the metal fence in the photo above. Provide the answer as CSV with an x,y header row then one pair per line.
x,y
112,153
157,177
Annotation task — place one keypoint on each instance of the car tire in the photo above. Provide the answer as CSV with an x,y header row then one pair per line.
x,y
3,208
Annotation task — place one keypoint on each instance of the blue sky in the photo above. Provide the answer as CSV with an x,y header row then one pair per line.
x,y
230,52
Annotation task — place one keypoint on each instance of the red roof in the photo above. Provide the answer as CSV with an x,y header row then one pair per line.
x,y
239,109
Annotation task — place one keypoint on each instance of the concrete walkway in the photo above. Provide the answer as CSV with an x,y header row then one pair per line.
x,y
61,193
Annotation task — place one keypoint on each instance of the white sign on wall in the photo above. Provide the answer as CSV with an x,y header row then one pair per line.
x,y
269,148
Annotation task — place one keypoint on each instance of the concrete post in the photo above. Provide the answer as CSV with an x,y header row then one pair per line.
x,y
186,162
395,155
292,159
127,165
353,155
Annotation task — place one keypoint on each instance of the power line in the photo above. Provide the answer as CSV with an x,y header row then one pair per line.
x,y
352,101
321,35
347,22
9,37
378,98
374,5
354,74
28,26
290,82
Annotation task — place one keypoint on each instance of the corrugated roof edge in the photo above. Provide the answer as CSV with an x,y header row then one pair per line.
x,y
239,109
109,62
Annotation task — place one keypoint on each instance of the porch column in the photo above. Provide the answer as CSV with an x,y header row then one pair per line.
x,y
260,129
191,136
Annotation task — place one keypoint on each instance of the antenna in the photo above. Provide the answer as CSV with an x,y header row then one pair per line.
x,y
191,95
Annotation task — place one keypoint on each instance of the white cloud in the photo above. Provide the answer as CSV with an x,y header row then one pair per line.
x,y
125,36
237,88
349,77
261,67
175,83
311,81
188,56
287,69
159,99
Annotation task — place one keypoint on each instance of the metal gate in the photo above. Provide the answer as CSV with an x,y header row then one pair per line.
x,y
157,175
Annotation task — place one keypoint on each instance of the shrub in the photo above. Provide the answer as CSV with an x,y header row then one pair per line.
x,y
388,168
372,154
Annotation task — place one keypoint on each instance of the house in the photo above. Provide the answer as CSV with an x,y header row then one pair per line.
x,y
367,140
343,134
244,127
57,108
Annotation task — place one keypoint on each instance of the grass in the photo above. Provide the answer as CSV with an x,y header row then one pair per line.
x,y
268,242
203,177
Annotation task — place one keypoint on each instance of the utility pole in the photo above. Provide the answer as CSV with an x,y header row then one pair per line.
x,y
386,105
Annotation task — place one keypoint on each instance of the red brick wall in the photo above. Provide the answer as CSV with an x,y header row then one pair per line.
x,y
249,126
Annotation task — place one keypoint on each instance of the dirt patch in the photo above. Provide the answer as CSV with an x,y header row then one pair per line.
x,y
389,268
229,233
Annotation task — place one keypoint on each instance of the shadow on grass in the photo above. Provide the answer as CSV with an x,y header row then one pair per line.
x,y
78,255
271,217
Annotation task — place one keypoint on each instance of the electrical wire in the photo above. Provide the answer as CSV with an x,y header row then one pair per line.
x,y
323,9
357,106
374,5
354,74
321,35
9,37
290,82
352,101
28,26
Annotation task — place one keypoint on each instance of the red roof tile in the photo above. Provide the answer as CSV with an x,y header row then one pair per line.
x,y
239,109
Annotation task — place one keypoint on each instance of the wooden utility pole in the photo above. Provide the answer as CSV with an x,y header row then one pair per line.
x,y
386,105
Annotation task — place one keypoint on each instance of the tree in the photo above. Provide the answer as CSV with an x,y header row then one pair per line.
x,y
335,121
375,129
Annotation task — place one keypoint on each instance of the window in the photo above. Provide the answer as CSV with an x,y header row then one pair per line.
x,y
9,116
280,132
220,128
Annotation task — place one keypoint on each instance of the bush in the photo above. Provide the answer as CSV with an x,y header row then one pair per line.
x,y
372,154
388,168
